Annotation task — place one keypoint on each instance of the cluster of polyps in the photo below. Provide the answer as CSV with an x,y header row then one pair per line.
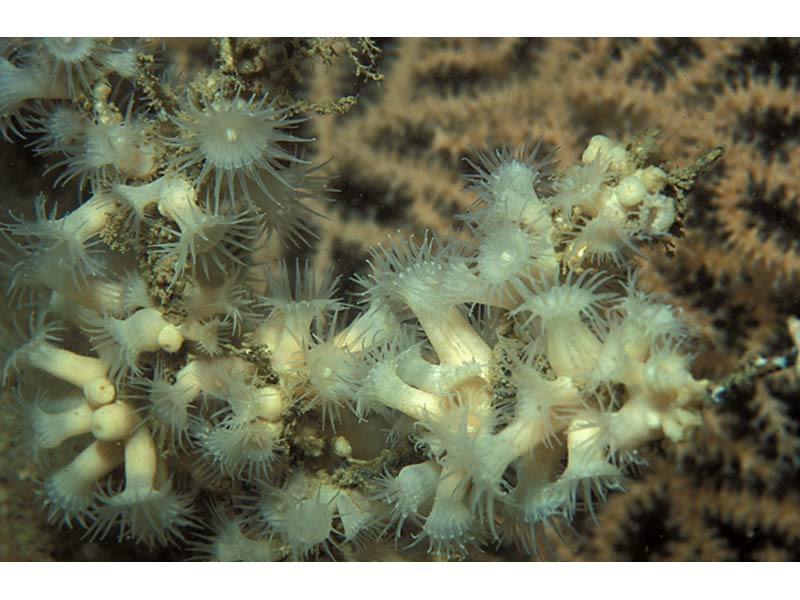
x,y
118,408
113,433
519,356
590,368
530,365
145,277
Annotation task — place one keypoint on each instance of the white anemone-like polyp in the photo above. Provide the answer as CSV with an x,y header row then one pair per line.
x,y
60,253
114,146
51,429
376,325
415,274
122,59
122,341
59,129
581,187
72,59
426,277
410,493
507,178
293,310
236,142
170,404
208,336
537,505
70,493
449,526
648,323
210,235
242,448
86,372
121,146
438,379
604,238
358,515
18,84
229,299
331,374
571,315
144,511
245,433
543,401
589,472
302,516
506,253
383,388
228,542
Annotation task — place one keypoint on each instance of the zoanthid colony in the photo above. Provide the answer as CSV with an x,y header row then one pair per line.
x,y
175,388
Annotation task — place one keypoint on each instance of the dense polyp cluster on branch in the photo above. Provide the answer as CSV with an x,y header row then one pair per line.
x,y
515,363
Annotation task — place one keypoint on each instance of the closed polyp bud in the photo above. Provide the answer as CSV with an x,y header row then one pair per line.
x,y
99,391
113,422
630,191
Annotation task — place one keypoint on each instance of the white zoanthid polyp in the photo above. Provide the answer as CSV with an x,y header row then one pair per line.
x,y
285,208
451,525
22,78
72,60
469,447
572,318
108,147
589,472
58,130
81,61
332,372
210,236
52,422
506,253
121,342
241,437
509,179
241,448
230,299
61,253
581,188
293,310
169,405
648,323
207,336
382,387
205,235
549,403
230,542
606,238
237,142
301,514
69,494
147,510
88,373
409,494
429,279
334,359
